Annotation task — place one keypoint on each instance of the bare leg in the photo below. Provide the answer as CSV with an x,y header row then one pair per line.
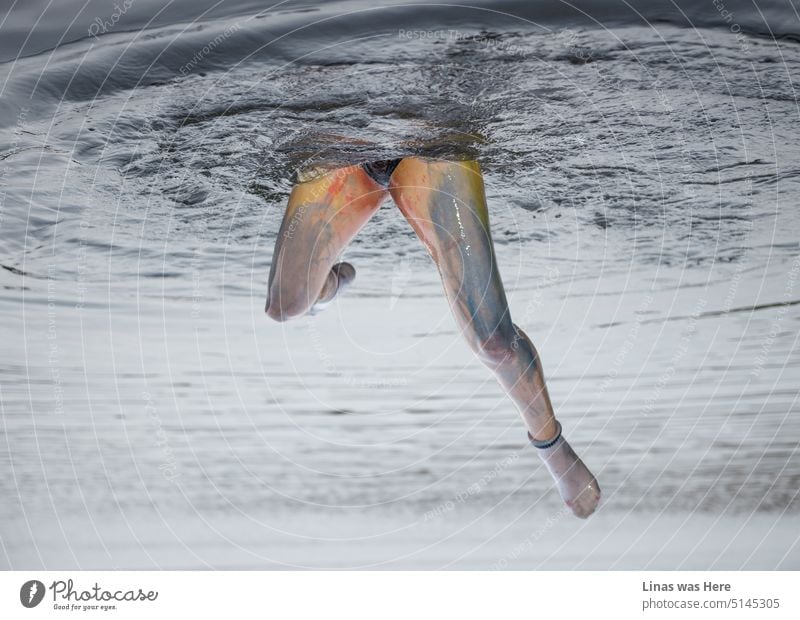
x,y
322,217
445,204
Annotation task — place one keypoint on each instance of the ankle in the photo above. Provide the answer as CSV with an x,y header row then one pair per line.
x,y
547,435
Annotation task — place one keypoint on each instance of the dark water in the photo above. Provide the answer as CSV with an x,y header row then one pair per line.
x,y
642,171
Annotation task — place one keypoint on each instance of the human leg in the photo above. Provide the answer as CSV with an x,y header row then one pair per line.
x,y
322,217
445,204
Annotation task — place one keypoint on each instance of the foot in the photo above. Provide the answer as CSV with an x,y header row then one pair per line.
x,y
340,277
576,484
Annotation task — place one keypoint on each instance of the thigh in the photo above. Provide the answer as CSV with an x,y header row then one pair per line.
x,y
445,203
322,216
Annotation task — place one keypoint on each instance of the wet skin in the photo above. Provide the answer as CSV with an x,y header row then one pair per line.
x,y
445,204
322,217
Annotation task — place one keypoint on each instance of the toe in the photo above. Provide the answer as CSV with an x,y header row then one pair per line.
x,y
345,272
586,501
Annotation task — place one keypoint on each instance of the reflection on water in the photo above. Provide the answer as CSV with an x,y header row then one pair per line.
x,y
642,186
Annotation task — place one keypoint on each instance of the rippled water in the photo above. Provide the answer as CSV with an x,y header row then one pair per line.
x,y
642,182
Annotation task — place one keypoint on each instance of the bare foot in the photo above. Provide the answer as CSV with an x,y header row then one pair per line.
x,y
576,484
340,277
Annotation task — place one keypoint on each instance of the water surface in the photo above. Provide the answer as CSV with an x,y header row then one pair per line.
x,y
642,175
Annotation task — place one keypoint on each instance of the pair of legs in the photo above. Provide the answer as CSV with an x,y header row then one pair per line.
x,y
445,204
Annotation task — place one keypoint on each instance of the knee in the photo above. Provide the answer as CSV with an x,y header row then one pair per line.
x,y
282,312
502,346
494,349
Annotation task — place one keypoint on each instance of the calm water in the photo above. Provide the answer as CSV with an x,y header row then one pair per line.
x,y
642,180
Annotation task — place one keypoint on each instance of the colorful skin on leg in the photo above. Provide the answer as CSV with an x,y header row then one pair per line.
x,y
445,204
322,217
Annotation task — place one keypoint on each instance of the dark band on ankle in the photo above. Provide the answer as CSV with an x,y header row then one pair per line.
x,y
541,444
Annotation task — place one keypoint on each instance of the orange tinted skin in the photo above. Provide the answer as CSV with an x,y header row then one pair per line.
x,y
322,217
445,204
